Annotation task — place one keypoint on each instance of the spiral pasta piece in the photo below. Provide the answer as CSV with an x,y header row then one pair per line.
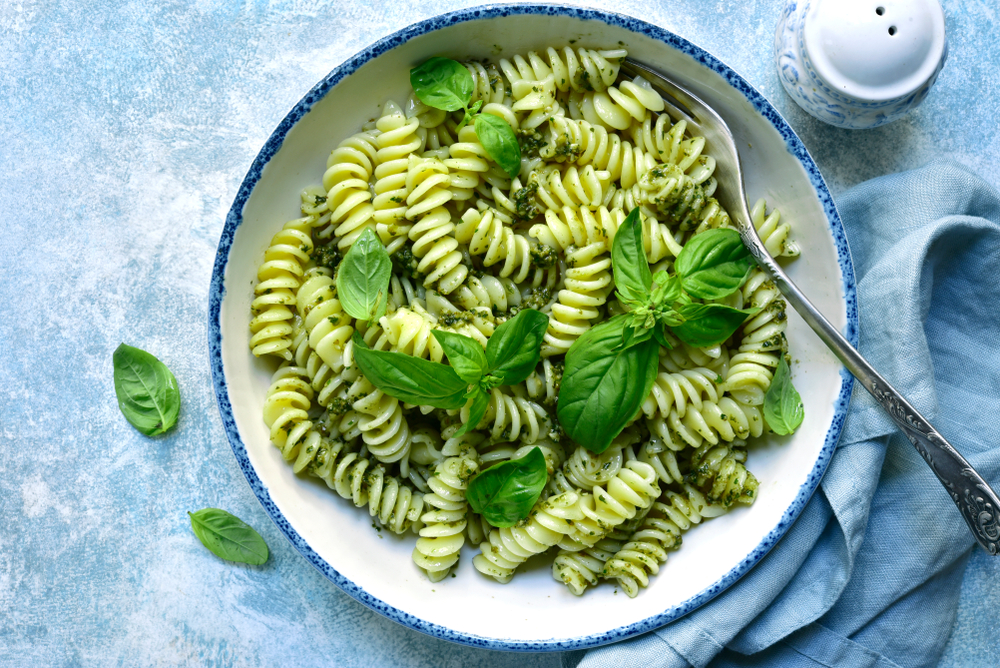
x,y
619,106
721,474
486,235
468,161
572,187
410,332
510,416
442,536
286,409
669,145
685,203
489,86
434,245
588,282
396,143
495,294
546,524
278,277
381,422
774,234
353,476
328,326
534,90
679,390
348,198
646,549
634,488
640,557
761,344
573,69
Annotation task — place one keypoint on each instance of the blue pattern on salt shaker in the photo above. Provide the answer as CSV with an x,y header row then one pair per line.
x,y
859,64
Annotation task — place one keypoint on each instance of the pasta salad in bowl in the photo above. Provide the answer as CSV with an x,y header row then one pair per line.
x,y
488,350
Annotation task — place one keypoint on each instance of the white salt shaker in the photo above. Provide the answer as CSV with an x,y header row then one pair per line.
x,y
859,63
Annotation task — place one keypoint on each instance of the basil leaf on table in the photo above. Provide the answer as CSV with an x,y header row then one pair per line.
x,y
442,83
465,355
709,324
604,384
228,537
480,402
505,493
514,349
713,264
628,260
783,408
147,391
500,142
410,379
363,278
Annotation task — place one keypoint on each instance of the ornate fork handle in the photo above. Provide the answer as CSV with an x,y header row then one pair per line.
x,y
976,501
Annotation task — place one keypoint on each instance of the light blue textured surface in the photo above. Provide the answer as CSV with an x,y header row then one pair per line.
x,y
126,129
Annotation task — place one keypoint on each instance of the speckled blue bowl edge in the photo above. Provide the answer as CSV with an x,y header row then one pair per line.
x,y
271,147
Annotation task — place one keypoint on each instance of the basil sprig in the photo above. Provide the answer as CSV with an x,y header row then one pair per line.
x,y
610,370
783,408
445,84
147,391
711,265
363,278
228,537
505,493
511,354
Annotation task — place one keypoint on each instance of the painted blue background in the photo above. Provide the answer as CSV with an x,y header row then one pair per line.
x,y
125,130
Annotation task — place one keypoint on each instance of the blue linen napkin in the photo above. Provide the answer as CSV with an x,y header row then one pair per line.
x,y
870,573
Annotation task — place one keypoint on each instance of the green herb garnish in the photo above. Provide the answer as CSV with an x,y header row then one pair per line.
x,y
147,391
445,84
363,278
228,537
505,493
783,408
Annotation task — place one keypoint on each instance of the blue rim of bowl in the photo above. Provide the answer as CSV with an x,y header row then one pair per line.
x,y
271,147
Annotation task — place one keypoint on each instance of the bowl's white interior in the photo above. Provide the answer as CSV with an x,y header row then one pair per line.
x,y
533,607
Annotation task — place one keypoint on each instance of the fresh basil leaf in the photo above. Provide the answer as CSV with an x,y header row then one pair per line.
x,y
442,83
709,324
661,336
713,264
603,384
514,349
465,355
783,408
228,537
500,142
628,260
666,288
147,391
505,493
480,402
410,379
633,335
363,278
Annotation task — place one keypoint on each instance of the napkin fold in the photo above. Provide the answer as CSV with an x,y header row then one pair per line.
x,y
870,573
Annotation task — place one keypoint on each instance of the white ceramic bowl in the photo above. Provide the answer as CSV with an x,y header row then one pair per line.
x,y
533,612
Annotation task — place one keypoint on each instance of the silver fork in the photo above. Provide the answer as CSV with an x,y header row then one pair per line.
x,y
977,503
